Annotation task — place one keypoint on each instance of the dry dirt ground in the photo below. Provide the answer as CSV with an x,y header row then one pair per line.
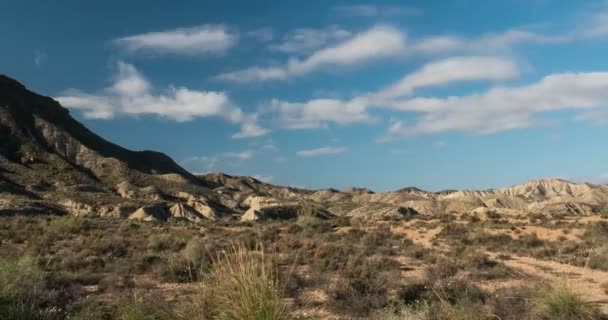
x,y
333,269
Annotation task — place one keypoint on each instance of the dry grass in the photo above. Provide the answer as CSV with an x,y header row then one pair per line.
x,y
245,284
557,301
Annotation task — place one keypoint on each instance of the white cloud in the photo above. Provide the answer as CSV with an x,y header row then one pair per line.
x,y
254,74
452,70
597,26
487,43
263,178
39,58
381,42
601,179
210,163
505,108
131,95
374,44
250,129
243,155
316,113
269,146
375,10
439,144
204,39
305,40
322,151
265,34
280,159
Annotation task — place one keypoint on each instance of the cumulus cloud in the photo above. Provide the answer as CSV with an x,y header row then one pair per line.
x,y
131,94
373,44
505,108
204,39
375,10
305,40
322,151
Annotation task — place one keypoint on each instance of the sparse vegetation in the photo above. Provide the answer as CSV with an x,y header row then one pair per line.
x,y
175,271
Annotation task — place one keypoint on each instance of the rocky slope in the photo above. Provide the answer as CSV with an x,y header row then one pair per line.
x,y
50,163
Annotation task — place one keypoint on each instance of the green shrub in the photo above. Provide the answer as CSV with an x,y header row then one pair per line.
x,y
361,285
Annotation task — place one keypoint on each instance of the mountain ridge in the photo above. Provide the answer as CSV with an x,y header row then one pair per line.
x,y
49,162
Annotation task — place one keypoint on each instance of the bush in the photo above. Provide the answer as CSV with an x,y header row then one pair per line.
x,y
557,301
332,256
175,240
361,285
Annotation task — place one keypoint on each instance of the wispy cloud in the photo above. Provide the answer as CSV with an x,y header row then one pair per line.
x,y
322,151
601,179
280,159
317,113
374,44
208,163
376,10
265,34
263,178
199,40
381,42
439,144
39,58
455,69
304,40
490,43
505,108
596,23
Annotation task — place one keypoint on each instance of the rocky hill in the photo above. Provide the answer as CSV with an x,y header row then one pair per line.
x,y
50,163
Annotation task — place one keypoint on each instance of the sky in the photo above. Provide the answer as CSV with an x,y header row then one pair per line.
x,y
382,94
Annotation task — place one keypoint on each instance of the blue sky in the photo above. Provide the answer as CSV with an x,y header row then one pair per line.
x,y
384,94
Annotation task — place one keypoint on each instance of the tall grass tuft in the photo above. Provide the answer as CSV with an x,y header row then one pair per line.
x,y
557,301
242,285
21,281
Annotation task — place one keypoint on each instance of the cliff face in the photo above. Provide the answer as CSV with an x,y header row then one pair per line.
x,y
31,124
48,157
